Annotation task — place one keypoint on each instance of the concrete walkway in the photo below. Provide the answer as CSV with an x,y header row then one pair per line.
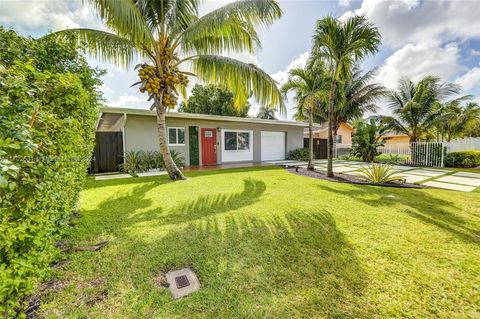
x,y
439,178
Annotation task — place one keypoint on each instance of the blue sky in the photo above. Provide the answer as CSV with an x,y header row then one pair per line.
x,y
419,37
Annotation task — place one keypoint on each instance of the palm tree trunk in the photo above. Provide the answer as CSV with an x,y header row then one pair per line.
x,y
310,141
172,169
333,88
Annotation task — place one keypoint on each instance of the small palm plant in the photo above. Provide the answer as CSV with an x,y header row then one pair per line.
x,y
134,161
380,173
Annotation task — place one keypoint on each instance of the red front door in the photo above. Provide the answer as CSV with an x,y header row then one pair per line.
x,y
209,146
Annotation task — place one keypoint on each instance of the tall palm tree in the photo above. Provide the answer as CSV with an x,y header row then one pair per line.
x,y
343,44
357,96
176,44
414,105
310,89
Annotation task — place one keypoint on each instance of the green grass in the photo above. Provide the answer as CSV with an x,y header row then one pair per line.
x,y
266,243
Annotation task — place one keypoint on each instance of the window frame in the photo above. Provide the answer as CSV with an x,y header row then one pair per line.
x,y
176,130
236,132
339,139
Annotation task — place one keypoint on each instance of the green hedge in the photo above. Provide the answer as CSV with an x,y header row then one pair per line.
x,y
465,159
47,123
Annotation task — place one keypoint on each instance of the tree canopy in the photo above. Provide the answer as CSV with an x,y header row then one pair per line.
x,y
213,99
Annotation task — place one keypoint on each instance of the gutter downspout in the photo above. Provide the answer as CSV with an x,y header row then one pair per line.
x,y
123,136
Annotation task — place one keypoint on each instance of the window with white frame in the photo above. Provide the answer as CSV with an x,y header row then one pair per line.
x,y
176,136
339,139
236,141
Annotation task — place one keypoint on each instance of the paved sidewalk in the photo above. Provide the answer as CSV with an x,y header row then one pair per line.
x,y
440,178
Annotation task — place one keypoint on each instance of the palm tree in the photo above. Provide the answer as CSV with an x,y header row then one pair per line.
x,y
176,44
266,113
310,89
357,96
414,105
454,118
343,44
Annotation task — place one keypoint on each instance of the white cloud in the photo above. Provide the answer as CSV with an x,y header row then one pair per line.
x,y
474,52
27,15
414,61
344,3
130,101
298,62
406,21
469,80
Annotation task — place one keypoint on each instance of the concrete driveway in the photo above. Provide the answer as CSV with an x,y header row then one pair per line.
x,y
440,178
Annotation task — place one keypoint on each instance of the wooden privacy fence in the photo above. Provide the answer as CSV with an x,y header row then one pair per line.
x,y
319,147
108,153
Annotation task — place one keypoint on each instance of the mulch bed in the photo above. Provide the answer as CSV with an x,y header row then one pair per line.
x,y
345,178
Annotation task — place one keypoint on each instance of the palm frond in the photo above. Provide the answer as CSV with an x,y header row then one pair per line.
x,y
105,46
241,78
125,19
231,27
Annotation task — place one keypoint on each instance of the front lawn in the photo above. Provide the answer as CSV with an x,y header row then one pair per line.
x,y
266,243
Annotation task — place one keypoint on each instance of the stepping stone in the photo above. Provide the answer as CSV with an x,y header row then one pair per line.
x,y
403,168
467,174
427,172
112,176
182,282
460,180
145,174
456,187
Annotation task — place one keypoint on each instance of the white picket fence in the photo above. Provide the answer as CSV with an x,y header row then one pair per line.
x,y
464,144
417,154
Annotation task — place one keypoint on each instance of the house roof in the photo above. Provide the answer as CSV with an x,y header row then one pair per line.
x,y
318,128
122,110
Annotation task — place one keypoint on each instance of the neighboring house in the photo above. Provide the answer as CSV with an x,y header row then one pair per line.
x,y
202,139
344,133
395,138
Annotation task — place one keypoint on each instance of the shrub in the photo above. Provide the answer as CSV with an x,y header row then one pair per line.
x,y
140,161
465,159
134,162
47,125
392,159
380,173
299,154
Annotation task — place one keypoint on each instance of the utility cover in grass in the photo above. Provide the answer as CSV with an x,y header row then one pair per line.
x,y
182,282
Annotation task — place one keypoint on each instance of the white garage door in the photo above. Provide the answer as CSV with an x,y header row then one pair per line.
x,y
273,146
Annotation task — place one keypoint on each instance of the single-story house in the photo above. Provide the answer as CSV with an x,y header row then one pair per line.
x,y
344,133
202,139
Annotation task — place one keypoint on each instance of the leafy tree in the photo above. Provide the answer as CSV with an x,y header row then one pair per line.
x,y
367,138
266,113
343,44
213,99
171,37
414,105
310,89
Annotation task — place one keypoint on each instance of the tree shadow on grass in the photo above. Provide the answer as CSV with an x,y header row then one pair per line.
x,y
131,207
422,206
296,264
